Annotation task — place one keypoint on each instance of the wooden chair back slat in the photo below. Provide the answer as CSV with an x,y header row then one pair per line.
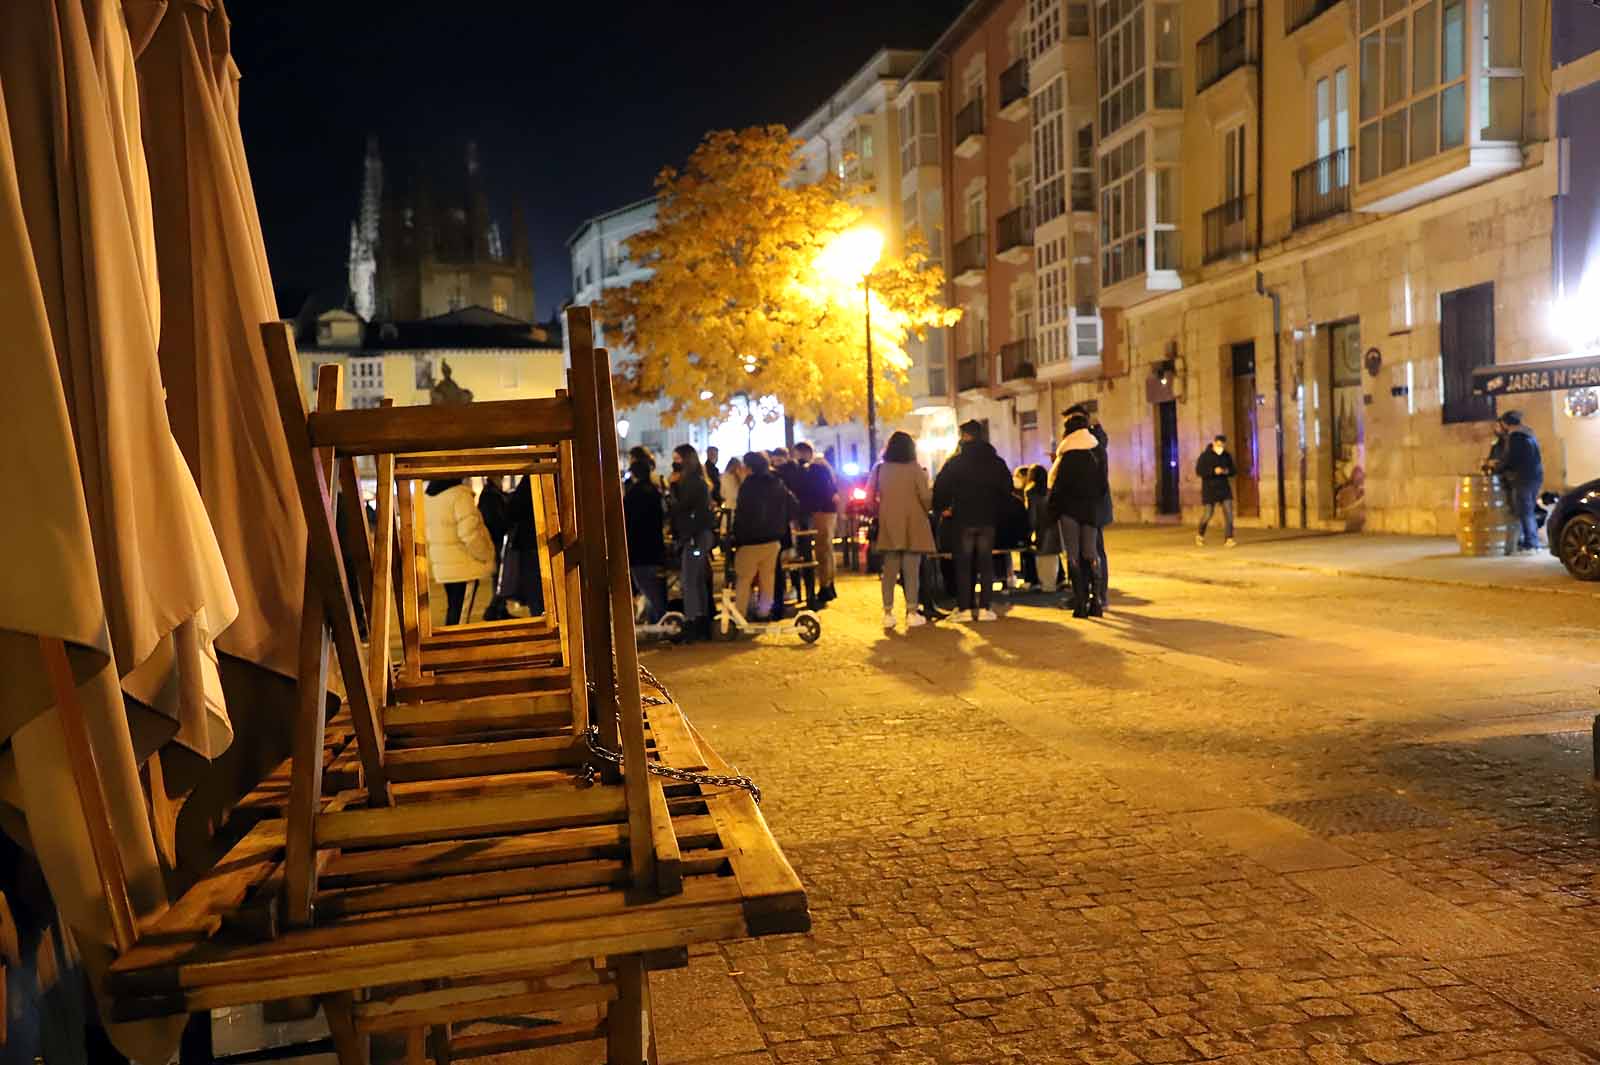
x,y
629,706
323,552
406,430
308,730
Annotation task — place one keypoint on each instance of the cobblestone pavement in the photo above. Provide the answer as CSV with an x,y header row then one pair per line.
x,y
1252,816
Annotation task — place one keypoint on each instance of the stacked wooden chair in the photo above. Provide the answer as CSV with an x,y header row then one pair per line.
x,y
524,823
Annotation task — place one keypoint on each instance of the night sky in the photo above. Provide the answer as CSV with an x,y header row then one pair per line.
x,y
574,106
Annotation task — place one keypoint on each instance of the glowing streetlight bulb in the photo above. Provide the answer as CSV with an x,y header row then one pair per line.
x,y
622,427
851,255
706,394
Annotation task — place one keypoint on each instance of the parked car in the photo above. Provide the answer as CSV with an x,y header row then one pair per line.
x,y
1574,531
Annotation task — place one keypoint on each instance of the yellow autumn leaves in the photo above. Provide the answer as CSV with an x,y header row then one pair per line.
x,y
736,305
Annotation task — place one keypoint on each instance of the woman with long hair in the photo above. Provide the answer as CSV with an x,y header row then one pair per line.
x,y
694,523
900,497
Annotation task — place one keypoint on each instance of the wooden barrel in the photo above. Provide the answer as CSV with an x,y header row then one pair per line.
x,y
1484,525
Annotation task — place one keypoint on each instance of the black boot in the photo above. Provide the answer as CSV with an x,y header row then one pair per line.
x,y
1080,592
1097,601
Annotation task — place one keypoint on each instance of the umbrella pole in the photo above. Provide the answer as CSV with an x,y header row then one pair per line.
x,y
86,775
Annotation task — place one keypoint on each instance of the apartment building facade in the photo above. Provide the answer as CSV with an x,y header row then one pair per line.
x,y
1346,210
598,251
860,134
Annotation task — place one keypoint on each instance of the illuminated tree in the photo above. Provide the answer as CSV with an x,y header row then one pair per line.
x,y
738,303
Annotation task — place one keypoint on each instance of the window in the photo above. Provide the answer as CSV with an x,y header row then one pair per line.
x,y
1049,126
1332,117
1077,20
1044,26
1083,169
501,304
1053,300
1413,96
1169,63
1122,212
977,210
1021,181
910,218
1233,164
1122,64
1466,342
919,132
1022,311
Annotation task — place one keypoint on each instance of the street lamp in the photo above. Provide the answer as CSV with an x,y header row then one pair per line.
x,y
849,260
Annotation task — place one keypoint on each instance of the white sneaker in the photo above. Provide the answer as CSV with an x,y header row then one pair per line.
x,y
1230,542
888,619
915,620
1199,541
986,615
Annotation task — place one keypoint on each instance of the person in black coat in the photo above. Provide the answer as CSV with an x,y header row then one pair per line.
x,y
1522,466
761,521
694,523
972,493
1215,468
1078,484
644,515
1106,514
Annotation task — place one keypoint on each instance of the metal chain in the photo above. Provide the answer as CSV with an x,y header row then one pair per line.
x,y
591,736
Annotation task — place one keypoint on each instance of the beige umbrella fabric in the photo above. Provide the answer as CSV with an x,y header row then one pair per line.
x,y
215,291
113,551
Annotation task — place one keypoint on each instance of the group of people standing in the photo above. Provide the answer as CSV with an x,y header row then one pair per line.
x,y
1067,507
768,502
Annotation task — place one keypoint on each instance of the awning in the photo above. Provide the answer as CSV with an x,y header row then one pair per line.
x,y
1542,375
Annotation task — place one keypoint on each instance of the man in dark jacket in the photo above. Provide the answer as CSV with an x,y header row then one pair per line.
x,y
714,472
1522,466
970,493
1214,468
813,485
766,506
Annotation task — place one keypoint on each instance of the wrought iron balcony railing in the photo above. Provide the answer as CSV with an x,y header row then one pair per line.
x,y
1322,188
1016,360
1226,48
969,120
972,371
1227,229
1014,230
968,255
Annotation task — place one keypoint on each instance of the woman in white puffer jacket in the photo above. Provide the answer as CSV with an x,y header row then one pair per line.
x,y
459,548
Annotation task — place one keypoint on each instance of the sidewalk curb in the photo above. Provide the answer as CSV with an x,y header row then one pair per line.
x,y
1440,582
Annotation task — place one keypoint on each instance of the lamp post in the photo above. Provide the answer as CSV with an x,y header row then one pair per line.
x,y
849,259
872,401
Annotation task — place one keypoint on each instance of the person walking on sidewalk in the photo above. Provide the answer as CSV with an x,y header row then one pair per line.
x,y
899,495
1522,466
1077,483
818,493
1215,467
971,492
766,506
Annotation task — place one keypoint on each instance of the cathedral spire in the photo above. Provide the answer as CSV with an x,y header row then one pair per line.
x,y
364,231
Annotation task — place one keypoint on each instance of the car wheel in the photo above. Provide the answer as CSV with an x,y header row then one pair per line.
x,y
1579,547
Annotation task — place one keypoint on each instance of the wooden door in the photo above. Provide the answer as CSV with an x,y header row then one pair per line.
x,y
1245,441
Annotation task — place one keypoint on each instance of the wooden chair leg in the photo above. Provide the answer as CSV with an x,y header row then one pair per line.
x,y
350,1045
628,1019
